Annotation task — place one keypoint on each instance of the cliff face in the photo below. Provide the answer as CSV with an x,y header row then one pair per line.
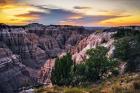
x,y
96,39
27,53
13,74
24,52
25,45
79,51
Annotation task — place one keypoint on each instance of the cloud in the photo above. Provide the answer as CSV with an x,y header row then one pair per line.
x,y
54,16
2,1
42,7
31,14
89,20
13,12
64,17
81,7
115,12
8,1
96,18
21,13
48,16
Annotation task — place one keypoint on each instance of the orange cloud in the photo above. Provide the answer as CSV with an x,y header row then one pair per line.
x,y
85,20
7,1
17,13
10,11
68,22
130,20
75,17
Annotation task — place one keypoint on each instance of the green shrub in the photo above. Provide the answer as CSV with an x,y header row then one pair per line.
x,y
61,75
98,65
128,48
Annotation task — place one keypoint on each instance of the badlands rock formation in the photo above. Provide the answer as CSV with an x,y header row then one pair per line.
x,y
96,39
24,51
79,51
13,74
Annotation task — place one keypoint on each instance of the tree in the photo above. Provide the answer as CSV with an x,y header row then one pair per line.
x,y
121,48
78,74
98,65
61,75
128,48
94,68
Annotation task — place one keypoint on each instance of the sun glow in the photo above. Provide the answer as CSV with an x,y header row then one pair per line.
x,y
123,21
10,14
70,12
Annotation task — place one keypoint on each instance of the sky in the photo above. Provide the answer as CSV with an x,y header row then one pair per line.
x,y
71,12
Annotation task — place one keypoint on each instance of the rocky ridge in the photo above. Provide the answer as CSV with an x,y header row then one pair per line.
x,y
24,51
96,39
79,50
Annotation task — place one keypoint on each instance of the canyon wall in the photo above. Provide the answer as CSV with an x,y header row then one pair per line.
x,y
25,51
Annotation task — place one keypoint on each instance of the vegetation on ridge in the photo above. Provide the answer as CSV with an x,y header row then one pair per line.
x,y
96,67
129,83
61,75
128,48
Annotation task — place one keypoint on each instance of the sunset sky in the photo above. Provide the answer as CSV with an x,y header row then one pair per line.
x,y
71,12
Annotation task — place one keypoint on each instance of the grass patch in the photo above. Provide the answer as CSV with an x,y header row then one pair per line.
x,y
129,83
73,90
